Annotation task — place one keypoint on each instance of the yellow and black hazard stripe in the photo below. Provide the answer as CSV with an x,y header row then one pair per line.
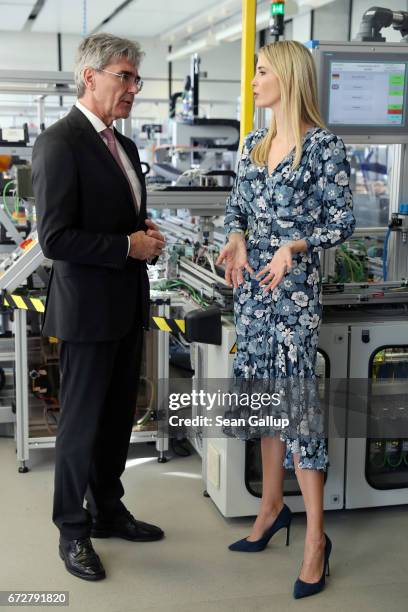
x,y
175,326
168,325
23,302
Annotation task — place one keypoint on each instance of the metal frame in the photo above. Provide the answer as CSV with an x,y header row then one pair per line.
x,y
10,227
374,135
359,493
162,443
25,443
25,264
203,202
22,420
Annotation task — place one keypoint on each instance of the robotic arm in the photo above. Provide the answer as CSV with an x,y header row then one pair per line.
x,y
376,18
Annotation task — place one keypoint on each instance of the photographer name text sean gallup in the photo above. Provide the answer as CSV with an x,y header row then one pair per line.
x,y
206,421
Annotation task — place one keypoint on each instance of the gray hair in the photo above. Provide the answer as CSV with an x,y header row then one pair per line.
x,y
98,50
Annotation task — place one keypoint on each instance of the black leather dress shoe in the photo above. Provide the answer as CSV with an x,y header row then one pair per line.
x,y
125,526
80,559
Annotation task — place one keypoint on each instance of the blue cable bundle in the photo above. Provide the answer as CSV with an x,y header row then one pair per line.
x,y
385,254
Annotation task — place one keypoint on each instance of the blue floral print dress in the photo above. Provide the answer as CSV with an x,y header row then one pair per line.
x,y
277,332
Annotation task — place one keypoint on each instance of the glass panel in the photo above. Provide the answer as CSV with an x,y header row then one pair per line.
x,y
360,260
253,460
370,184
387,459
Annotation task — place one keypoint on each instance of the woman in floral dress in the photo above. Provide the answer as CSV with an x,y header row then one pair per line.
x,y
291,199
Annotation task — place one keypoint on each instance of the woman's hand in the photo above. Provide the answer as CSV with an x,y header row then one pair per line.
x,y
276,269
235,255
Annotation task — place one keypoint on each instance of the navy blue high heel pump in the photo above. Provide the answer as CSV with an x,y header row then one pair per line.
x,y
283,519
305,589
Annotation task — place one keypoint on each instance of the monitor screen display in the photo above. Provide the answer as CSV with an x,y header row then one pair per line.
x,y
363,91
367,93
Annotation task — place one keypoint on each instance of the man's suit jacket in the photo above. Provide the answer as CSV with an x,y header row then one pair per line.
x,y
85,212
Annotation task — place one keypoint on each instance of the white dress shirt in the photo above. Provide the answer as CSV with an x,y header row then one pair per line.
x,y
99,125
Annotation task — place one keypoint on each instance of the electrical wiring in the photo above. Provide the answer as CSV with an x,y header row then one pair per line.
x,y
353,267
358,267
397,463
347,264
361,256
200,254
17,202
354,263
211,262
146,417
204,255
194,173
347,260
49,412
4,198
179,284
385,254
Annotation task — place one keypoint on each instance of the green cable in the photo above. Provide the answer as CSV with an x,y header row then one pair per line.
x,y
353,261
346,260
394,465
356,267
358,263
4,198
183,284
7,185
191,290
341,258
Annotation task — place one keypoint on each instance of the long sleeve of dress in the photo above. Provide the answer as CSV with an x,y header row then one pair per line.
x,y
235,219
336,221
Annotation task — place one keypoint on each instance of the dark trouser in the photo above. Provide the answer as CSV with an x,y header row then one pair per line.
x,y
99,383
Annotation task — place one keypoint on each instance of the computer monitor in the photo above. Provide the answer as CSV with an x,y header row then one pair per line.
x,y
363,90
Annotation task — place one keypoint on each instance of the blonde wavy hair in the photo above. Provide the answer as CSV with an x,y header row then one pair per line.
x,y
294,67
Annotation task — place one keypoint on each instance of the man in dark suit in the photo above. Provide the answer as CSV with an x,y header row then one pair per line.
x,y
91,205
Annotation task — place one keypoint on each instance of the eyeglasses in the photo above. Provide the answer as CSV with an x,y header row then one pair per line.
x,y
127,78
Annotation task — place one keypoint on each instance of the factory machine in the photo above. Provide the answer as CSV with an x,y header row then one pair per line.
x,y
364,332
29,373
363,96
201,151
29,364
364,335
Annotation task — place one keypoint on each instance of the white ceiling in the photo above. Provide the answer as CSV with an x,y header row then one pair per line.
x,y
67,16
14,14
174,21
152,17
139,18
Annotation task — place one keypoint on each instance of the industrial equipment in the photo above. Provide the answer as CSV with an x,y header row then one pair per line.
x,y
365,294
365,286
